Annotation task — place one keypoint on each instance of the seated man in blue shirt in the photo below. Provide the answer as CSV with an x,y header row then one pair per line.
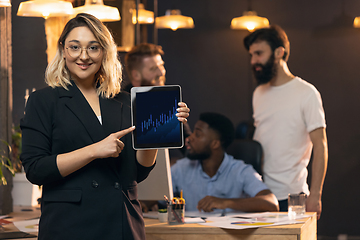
x,y
211,179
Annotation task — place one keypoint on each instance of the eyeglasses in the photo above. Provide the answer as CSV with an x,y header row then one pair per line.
x,y
92,51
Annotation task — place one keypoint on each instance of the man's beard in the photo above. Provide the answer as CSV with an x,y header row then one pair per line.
x,y
155,82
267,72
199,156
145,83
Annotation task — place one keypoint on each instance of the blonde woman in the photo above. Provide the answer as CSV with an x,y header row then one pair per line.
x,y
76,142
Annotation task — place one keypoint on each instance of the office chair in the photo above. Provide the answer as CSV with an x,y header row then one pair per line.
x,y
244,130
250,151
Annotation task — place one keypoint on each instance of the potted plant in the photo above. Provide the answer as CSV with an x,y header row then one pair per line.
x,y
5,162
10,155
23,192
6,172
16,149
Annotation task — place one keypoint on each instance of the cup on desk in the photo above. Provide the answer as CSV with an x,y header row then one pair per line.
x,y
296,205
176,213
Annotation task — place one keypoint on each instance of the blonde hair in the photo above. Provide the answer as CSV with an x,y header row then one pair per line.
x,y
108,77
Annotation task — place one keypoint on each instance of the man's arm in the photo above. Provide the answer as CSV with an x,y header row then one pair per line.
x,y
319,166
264,201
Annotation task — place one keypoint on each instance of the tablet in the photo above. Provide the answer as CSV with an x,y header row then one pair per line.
x,y
153,112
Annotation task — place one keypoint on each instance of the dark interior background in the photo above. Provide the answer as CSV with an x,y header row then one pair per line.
x,y
212,66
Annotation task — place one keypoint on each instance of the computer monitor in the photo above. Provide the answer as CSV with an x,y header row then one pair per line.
x,y
159,182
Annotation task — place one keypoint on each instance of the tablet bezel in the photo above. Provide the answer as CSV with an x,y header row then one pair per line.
x,y
134,92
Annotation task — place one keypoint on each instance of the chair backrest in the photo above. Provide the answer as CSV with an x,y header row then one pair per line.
x,y
245,130
250,151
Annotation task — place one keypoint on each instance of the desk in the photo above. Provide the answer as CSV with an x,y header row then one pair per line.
x,y
9,231
159,231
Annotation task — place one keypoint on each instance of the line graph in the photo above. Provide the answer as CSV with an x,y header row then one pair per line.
x,y
156,117
158,122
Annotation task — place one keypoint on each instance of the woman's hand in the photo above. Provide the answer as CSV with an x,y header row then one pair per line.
x,y
183,112
111,146
108,147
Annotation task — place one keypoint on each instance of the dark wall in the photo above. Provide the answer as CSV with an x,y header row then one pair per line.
x,y
29,58
212,66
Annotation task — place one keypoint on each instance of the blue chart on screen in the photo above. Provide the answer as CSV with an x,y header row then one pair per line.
x,y
156,119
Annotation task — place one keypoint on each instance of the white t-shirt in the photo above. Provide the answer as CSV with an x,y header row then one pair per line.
x,y
284,116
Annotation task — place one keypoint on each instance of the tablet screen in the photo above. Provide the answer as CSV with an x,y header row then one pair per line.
x,y
153,113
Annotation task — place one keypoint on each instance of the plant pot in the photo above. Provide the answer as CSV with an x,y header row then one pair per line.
x,y
24,193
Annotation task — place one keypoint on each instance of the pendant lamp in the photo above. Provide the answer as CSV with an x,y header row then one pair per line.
x,y
99,10
250,21
174,20
5,3
45,8
357,22
144,16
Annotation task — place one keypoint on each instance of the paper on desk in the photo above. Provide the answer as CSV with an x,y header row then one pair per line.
x,y
29,226
194,220
251,220
268,216
215,213
202,214
236,224
151,214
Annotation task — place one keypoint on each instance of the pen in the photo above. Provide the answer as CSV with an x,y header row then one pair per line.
x,y
166,199
181,199
252,218
176,216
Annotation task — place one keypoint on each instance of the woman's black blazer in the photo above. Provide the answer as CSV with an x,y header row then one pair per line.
x,y
99,201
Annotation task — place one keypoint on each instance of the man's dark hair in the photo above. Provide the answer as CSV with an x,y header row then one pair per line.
x,y
275,36
222,125
133,59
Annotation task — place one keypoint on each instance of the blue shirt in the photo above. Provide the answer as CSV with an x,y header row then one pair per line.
x,y
234,179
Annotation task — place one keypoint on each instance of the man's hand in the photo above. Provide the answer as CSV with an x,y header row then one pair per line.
x,y
313,204
147,206
209,203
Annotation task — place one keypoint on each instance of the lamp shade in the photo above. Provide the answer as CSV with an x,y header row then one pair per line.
x,y
99,10
144,16
5,3
250,21
45,8
174,20
357,22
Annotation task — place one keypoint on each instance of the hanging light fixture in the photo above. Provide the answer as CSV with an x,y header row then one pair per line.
x,y
99,10
357,22
5,3
250,20
144,16
45,8
174,20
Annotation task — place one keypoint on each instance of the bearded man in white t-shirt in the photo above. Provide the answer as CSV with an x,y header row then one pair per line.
x,y
289,120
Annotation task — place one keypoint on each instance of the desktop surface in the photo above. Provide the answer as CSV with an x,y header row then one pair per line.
x,y
159,231
156,230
